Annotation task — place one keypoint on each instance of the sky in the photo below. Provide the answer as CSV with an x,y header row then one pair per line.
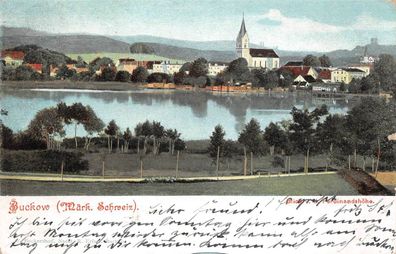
x,y
313,25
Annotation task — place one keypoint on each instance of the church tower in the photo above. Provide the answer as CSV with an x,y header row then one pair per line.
x,y
242,42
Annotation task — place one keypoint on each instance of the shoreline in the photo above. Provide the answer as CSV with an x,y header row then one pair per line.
x,y
113,86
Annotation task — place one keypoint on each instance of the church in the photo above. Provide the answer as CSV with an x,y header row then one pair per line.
x,y
256,58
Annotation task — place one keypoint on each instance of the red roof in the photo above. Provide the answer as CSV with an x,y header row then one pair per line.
x,y
324,74
298,70
16,55
35,66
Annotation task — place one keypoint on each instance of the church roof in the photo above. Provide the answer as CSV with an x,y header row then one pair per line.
x,y
243,30
263,53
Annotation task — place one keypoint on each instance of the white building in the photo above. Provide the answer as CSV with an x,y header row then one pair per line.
x,y
215,68
256,58
167,67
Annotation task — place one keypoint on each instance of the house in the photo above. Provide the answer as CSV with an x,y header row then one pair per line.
x,y
339,75
12,58
215,68
304,81
130,64
324,75
126,64
301,70
36,67
346,75
367,68
355,73
256,58
167,67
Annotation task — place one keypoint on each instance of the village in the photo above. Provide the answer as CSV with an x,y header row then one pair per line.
x,y
254,70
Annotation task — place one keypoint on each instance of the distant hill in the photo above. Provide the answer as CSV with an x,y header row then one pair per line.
x,y
165,47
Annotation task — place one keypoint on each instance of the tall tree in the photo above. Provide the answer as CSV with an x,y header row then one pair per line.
x,y
139,74
46,125
275,136
324,61
122,76
127,136
216,141
92,124
199,68
252,137
311,60
386,70
238,69
111,131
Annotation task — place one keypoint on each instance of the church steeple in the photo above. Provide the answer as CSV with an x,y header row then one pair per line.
x,y
242,30
242,41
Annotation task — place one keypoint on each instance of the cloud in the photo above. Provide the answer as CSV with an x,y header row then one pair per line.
x,y
303,33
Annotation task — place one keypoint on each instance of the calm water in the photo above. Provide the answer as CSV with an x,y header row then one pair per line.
x,y
194,114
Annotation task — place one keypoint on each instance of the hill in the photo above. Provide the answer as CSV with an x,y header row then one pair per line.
x,y
166,47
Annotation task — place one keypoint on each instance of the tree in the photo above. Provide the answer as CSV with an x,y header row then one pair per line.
x,y
111,131
275,136
369,123
101,62
107,74
238,68
302,129
158,77
127,136
80,62
216,141
139,74
179,77
331,133
325,61
173,136
199,68
252,138
186,67
141,48
311,60
46,125
24,73
158,132
6,137
122,76
267,79
64,72
286,78
386,70
92,124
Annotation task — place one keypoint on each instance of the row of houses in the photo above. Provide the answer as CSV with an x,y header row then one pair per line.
x,y
305,76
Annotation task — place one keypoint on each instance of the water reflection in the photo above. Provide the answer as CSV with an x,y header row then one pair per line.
x,y
193,113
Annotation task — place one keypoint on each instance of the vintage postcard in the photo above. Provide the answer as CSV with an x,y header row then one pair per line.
x,y
181,126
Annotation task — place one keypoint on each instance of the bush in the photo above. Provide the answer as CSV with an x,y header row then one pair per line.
x,y
278,161
43,161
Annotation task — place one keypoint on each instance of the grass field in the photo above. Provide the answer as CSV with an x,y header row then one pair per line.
x,y
115,56
293,185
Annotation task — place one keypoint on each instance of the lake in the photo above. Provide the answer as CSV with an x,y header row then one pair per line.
x,y
194,114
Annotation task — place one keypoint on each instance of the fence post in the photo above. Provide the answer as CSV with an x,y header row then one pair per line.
x,y
103,168
244,162
141,168
251,163
177,164
217,162
62,166
349,162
